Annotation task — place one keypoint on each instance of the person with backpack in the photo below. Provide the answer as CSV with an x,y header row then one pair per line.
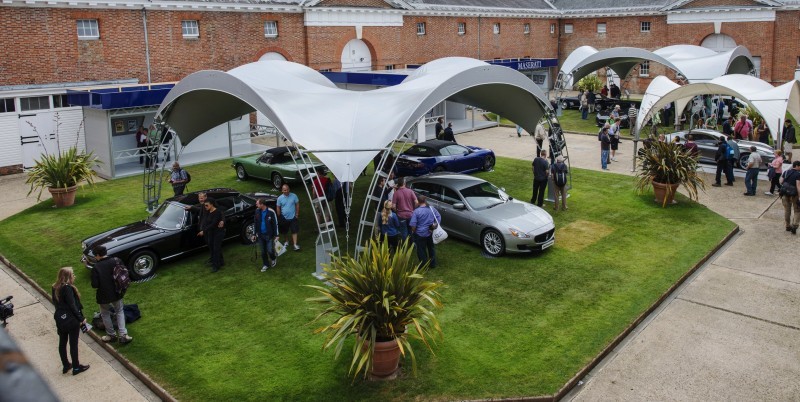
x,y
110,278
559,170
721,157
179,178
733,158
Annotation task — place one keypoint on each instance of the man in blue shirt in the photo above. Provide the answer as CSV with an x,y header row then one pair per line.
x,y
265,224
288,213
420,223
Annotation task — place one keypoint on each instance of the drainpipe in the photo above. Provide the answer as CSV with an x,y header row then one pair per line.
x,y
479,37
146,44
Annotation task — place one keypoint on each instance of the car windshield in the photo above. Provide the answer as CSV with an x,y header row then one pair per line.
x,y
167,216
484,196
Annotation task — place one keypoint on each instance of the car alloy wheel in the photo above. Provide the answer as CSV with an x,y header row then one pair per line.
x,y
241,174
277,180
143,264
743,160
488,163
564,105
249,233
493,243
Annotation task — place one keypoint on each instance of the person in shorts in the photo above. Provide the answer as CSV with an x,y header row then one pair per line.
x,y
288,214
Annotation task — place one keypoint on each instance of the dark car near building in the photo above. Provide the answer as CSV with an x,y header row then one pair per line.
x,y
707,142
443,156
171,231
603,117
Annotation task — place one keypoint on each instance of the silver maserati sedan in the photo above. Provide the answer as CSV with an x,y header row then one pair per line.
x,y
477,211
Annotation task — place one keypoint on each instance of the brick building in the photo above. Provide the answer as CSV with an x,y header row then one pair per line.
x,y
55,44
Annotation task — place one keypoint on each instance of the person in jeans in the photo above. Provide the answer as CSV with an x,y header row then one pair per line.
x,y
541,171
107,296
420,223
777,165
721,157
178,178
605,147
390,226
404,201
751,177
67,301
265,224
789,202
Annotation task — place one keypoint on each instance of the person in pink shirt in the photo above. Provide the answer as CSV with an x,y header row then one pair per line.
x,y
742,128
776,167
404,201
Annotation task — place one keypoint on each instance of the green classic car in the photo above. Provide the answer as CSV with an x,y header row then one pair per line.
x,y
275,165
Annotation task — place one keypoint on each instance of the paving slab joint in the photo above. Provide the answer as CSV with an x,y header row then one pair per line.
x,y
144,378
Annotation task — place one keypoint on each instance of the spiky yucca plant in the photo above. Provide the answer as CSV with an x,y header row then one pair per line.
x,y
668,163
378,297
64,170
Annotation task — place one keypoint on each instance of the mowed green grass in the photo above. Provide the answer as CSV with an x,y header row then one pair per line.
x,y
515,326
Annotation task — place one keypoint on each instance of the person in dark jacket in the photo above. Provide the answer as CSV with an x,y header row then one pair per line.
x,y
439,128
721,157
210,227
605,147
199,210
265,224
108,297
789,139
448,135
69,319
541,171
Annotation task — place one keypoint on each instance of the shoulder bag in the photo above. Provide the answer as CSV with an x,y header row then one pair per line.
x,y
788,189
438,234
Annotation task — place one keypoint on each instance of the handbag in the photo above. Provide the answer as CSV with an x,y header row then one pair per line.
x,y
65,321
279,248
770,172
788,189
438,234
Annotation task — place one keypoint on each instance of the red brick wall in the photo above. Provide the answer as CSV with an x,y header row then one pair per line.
x,y
786,46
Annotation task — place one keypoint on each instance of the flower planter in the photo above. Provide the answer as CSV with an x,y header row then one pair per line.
x,y
63,197
665,193
385,360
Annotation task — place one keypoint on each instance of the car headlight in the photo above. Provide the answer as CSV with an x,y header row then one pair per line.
x,y
518,233
83,245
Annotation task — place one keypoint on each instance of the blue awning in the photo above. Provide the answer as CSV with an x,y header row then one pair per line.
x,y
119,97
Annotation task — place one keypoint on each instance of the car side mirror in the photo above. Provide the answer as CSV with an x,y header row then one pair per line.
x,y
460,206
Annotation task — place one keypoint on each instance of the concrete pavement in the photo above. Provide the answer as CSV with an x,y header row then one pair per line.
x,y
730,332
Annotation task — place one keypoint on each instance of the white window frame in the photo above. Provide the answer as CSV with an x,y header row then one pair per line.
x,y
190,28
8,105
602,27
644,26
270,29
526,29
26,106
569,28
390,66
88,29
420,28
462,28
496,28
63,101
552,28
644,69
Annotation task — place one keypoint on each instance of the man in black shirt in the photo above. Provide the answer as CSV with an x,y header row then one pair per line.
x,y
541,170
447,135
789,139
791,178
439,129
213,232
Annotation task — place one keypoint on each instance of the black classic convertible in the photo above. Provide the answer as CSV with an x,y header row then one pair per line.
x,y
171,231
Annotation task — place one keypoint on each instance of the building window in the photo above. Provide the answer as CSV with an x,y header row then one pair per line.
x,y
34,103
462,28
6,105
496,28
568,28
325,70
645,26
420,28
644,69
526,29
271,29
60,101
88,29
757,66
798,63
601,27
390,66
552,28
190,29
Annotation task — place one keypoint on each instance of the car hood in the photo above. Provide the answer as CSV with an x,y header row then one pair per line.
x,y
760,146
521,215
122,235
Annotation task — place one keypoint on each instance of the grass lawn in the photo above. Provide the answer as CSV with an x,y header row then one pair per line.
x,y
513,326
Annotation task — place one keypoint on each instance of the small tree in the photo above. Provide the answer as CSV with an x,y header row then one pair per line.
x,y
590,82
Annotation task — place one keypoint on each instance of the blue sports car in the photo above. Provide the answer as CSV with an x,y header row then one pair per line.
x,y
441,156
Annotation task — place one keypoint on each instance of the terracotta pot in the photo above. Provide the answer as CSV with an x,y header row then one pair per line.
x,y
63,197
664,191
385,360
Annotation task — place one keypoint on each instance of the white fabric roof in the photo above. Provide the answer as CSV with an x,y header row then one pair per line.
x,y
696,63
310,110
770,102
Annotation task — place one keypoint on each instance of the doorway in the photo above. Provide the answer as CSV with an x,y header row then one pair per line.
x,y
356,56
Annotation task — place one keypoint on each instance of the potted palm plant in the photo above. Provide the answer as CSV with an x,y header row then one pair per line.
x,y
381,300
61,174
665,166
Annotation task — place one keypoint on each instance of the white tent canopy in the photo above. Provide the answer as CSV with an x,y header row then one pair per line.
x,y
696,63
310,110
770,102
